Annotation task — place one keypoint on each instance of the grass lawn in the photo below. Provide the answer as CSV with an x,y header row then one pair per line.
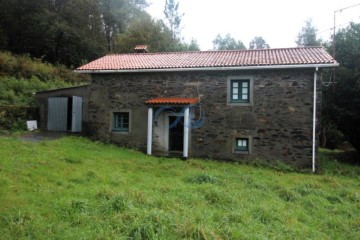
x,y
72,188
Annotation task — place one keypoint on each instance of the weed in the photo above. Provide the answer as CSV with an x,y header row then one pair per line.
x,y
71,160
90,175
215,196
105,194
78,205
117,203
202,178
288,195
264,215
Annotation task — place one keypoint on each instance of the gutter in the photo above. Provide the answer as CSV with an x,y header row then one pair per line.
x,y
325,65
314,123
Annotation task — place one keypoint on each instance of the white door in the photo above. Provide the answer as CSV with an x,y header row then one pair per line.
x,y
57,114
76,120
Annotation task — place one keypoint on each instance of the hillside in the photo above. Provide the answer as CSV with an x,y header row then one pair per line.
x,y
20,78
72,188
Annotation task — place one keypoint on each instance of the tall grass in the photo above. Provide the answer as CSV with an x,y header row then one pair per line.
x,y
72,188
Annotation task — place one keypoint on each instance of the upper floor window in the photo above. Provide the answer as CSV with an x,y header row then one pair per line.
x,y
240,91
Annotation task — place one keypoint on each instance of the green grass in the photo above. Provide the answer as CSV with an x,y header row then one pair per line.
x,y
73,188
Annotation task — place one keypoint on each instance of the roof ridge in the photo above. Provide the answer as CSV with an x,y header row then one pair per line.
x,y
212,51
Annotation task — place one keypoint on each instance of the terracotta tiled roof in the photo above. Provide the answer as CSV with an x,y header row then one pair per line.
x,y
172,100
211,59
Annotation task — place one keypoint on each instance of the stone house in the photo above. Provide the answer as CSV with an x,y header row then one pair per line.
x,y
238,105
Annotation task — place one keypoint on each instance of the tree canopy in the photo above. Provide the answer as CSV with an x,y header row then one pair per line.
x,y
307,35
73,32
341,105
258,43
227,43
173,16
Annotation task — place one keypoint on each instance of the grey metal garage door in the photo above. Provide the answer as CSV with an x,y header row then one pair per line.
x,y
57,114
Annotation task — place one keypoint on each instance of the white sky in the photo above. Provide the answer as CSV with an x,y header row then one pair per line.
x,y
277,21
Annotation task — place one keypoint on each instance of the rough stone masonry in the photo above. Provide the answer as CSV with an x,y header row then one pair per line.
x,y
278,122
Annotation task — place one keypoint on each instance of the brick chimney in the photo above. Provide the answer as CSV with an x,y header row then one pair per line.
x,y
141,49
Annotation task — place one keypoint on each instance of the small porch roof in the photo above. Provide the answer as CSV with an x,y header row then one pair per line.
x,y
172,101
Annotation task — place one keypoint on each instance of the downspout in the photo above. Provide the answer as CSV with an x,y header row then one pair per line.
x,y
314,123
149,131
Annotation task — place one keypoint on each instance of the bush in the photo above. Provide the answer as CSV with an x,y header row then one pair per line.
x,y
14,117
25,67
20,78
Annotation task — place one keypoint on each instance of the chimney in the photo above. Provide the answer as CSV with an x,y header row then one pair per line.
x,y
141,49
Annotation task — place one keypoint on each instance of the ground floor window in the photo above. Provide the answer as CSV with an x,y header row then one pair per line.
x,y
242,145
121,122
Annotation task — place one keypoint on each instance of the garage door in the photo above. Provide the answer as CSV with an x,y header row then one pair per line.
x,y
57,114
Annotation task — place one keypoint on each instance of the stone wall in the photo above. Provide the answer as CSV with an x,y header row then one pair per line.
x,y
279,122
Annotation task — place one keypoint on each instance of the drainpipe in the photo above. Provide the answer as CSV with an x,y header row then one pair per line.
x,y
186,133
149,130
314,123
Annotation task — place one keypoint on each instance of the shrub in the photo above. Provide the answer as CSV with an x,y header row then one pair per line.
x,y
14,117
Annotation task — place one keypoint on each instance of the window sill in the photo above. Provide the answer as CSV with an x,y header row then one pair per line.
x,y
241,152
119,132
240,104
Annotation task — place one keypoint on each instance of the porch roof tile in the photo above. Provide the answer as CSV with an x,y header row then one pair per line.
x,y
172,100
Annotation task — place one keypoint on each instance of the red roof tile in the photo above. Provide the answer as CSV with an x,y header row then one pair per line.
x,y
172,100
210,59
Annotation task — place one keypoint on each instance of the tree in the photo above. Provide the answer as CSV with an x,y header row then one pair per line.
x,y
58,31
69,32
341,106
154,33
173,16
193,45
258,43
307,36
227,43
117,14
145,30
75,35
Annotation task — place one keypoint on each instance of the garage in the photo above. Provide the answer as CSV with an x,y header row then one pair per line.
x,y
64,109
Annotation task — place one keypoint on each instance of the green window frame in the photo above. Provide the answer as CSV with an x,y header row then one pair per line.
x,y
121,121
242,144
240,90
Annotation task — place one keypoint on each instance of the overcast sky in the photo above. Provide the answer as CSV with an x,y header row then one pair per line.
x,y
277,21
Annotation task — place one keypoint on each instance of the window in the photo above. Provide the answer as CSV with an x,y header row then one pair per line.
x,y
121,122
240,91
242,145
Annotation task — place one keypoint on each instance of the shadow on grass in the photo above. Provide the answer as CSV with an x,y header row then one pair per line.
x,y
336,162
